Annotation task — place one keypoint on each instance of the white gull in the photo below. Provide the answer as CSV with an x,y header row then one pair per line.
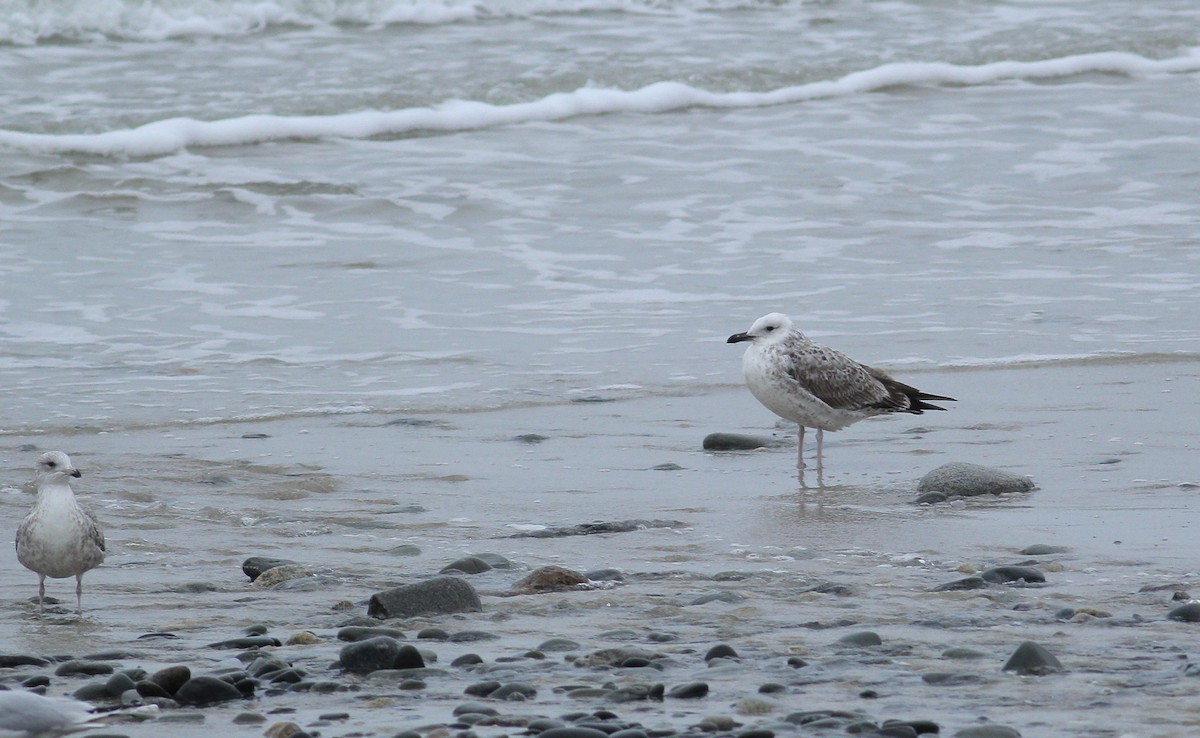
x,y
817,387
59,538
27,714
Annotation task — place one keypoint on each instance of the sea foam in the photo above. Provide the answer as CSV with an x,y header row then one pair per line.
x,y
176,134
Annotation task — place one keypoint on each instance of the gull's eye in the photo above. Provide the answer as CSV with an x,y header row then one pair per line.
x,y
50,465
770,328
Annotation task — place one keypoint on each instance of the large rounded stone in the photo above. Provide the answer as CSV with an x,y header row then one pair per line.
x,y
971,480
205,690
1030,658
445,594
364,657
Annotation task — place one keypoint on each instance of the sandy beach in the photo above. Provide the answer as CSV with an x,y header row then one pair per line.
x,y
744,557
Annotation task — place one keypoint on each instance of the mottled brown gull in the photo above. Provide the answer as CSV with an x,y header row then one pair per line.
x,y
59,538
817,387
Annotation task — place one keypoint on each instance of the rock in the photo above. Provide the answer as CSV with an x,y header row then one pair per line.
x,y
205,690
738,442
406,549
558,644
468,659
433,634
467,565
605,575
931,498
439,595
988,731
408,658
171,678
966,583
573,732
277,575
588,529
119,683
796,662
364,657
87,668
470,636
303,638
962,653
720,651
495,560
861,639
254,566
1042,549
550,579
1032,659
1189,613
970,480
691,691
1004,574
668,466
247,642
514,691
729,597
10,660
353,633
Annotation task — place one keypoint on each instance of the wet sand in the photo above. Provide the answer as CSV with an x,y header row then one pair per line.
x,y
1110,444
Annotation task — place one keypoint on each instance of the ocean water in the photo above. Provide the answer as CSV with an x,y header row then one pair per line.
x,y
213,211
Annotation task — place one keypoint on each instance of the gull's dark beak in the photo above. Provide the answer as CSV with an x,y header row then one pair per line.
x,y
75,473
739,337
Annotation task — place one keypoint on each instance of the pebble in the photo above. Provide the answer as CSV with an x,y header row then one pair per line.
x,y
247,642
433,634
720,651
970,480
287,574
467,659
558,644
439,595
738,442
1032,659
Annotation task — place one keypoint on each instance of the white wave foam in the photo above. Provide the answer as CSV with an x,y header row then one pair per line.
x,y
176,134
23,22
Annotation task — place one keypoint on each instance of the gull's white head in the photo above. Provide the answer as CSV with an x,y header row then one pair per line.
x,y
770,328
55,466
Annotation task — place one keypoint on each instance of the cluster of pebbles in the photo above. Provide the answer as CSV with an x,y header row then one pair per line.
x,y
634,683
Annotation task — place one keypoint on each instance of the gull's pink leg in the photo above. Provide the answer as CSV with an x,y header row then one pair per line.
x,y
800,450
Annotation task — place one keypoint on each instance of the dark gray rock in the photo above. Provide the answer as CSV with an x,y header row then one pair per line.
x,y
966,583
119,683
558,644
10,660
352,633
467,565
495,560
729,597
970,480
514,691
931,498
256,565
171,678
364,657
408,658
861,639
1004,574
435,596
988,731
589,529
205,690
247,642
572,732
720,651
88,668
467,659
1032,659
690,691
738,442
1189,613
433,633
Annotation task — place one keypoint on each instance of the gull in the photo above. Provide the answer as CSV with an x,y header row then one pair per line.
x,y
816,386
59,538
27,714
